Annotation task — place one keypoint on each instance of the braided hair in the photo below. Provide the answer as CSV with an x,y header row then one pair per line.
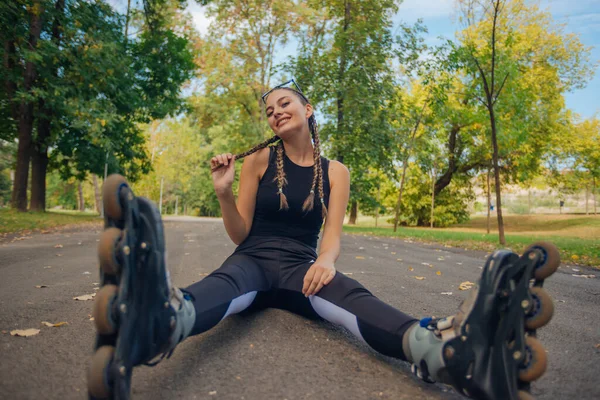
x,y
280,178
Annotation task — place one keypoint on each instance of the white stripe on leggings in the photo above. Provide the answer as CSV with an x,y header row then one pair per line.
x,y
240,304
336,315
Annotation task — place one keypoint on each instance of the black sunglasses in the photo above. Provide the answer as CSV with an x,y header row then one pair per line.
x,y
284,85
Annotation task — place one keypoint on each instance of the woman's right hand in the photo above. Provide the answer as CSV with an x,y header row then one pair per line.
x,y
223,176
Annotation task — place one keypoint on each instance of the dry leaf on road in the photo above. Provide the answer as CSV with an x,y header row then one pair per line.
x,y
360,258
24,332
438,273
41,286
56,325
584,276
466,285
85,297
58,246
419,278
447,293
411,269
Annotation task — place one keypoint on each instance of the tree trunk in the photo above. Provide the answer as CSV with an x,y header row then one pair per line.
x,y
19,194
489,201
377,208
80,196
432,198
97,197
39,155
353,212
587,195
39,160
594,192
501,237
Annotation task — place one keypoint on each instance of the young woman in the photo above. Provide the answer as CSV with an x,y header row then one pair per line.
x,y
287,190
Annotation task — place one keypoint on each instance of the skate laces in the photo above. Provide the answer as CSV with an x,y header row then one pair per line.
x,y
437,325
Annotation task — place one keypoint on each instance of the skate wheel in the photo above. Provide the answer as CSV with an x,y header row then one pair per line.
x,y
110,196
523,395
97,384
535,361
542,309
550,259
106,250
101,310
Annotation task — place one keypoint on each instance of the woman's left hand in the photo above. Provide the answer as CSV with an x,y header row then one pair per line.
x,y
317,276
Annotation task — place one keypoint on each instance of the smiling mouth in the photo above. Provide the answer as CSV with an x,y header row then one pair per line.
x,y
283,121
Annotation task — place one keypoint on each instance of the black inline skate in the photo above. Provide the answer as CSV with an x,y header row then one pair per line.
x,y
489,349
137,312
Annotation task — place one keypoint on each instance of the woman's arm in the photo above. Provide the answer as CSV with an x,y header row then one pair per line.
x,y
323,270
238,218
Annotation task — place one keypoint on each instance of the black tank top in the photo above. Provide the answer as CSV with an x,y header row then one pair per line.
x,y
292,223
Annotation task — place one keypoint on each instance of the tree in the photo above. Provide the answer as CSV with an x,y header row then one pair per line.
x,y
86,85
343,64
511,49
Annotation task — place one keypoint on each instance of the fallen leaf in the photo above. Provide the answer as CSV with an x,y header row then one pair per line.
x,y
447,293
419,278
24,332
186,254
411,269
438,273
58,246
85,297
441,258
251,345
576,269
41,286
360,258
393,252
56,325
212,392
596,346
347,273
47,267
4,332
398,259
426,264
86,273
574,257
58,255
584,276
466,285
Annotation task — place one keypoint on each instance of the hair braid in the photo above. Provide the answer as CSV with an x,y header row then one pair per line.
x,y
280,178
319,179
252,150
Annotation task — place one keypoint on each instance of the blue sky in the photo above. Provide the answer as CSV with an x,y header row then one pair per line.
x,y
580,16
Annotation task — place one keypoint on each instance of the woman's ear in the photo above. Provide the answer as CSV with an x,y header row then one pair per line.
x,y
309,111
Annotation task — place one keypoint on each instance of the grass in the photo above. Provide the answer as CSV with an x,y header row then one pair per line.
x,y
575,236
12,221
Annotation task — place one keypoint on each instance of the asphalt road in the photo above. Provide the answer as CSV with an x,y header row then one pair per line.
x,y
272,354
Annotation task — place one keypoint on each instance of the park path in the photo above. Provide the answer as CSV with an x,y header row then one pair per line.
x,y
272,354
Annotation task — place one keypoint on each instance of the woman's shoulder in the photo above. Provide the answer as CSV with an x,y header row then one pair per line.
x,y
337,172
258,161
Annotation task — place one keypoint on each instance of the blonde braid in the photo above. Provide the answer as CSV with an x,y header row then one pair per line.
x,y
280,178
252,150
310,200
320,170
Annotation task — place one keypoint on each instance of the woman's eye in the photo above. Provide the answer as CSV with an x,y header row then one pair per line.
x,y
285,104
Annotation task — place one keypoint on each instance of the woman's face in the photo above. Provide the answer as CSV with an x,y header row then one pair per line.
x,y
286,113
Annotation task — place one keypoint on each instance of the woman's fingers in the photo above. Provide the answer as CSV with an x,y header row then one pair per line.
x,y
314,283
221,160
329,278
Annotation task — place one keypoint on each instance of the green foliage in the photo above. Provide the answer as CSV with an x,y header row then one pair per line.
x,y
450,205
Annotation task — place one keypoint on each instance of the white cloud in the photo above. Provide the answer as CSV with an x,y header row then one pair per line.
x,y
198,13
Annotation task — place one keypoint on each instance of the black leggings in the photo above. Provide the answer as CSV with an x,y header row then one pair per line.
x,y
269,272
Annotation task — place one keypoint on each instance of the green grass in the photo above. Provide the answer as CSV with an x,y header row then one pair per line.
x,y
12,221
584,251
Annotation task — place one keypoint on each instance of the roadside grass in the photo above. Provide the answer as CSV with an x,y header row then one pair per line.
x,y
12,221
576,237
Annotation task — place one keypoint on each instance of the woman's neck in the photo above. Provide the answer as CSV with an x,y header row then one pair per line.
x,y
299,149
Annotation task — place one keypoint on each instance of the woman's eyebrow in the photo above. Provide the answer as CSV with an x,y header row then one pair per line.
x,y
278,101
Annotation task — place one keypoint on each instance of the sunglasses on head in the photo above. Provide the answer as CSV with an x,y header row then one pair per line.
x,y
295,88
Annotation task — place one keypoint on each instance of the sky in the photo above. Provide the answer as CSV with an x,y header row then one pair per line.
x,y
581,17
